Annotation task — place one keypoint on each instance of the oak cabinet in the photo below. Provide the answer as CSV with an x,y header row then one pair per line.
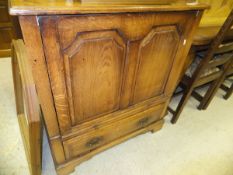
x,y
101,64
104,74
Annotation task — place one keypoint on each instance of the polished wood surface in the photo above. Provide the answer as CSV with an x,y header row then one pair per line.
x,y
103,78
101,55
32,39
68,167
85,143
212,20
217,13
41,7
165,54
128,2
204,35
27,107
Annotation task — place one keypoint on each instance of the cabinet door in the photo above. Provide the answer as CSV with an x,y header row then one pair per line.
x,y
99,64
86,75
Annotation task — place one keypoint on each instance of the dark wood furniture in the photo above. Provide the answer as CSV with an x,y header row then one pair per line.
x,y
27,106
223,62
6,33
103,73
9,29
220,84
228,89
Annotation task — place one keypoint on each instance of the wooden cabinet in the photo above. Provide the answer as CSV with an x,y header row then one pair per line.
x,y
104,74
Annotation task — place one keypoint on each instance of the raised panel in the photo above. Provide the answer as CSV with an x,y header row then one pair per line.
x,y
94,66
155,58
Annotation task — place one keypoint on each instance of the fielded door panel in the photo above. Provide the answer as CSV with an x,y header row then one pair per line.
x,y
155,58
99,64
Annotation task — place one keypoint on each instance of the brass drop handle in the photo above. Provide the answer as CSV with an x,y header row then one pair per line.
x,y
143,121
93,142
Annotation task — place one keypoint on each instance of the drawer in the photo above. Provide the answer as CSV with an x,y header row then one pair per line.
x,y
100,136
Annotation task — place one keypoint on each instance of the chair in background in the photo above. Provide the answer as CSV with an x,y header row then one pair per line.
x,y
211,68
228,72
228,89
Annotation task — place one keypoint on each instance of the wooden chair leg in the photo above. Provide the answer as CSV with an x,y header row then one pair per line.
x,y
209,94
197,96
213,92
180,107
229,92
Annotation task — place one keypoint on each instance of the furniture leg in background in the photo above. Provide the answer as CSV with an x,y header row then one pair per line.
x,y
200,77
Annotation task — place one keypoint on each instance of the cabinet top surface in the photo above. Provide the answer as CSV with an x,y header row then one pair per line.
x,y
44,7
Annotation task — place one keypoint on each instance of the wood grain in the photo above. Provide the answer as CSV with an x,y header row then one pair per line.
x,y
95,62
102,135
33,43
155,61
216,15
28,109
93,71
42,7
69,167
91,57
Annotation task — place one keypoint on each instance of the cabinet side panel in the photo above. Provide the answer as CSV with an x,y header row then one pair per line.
x,y
32,40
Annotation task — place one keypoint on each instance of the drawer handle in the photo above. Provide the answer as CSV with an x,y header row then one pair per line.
x,y
93,142
143,121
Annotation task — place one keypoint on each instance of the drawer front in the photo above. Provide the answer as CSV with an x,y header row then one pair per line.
x,y
100,136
